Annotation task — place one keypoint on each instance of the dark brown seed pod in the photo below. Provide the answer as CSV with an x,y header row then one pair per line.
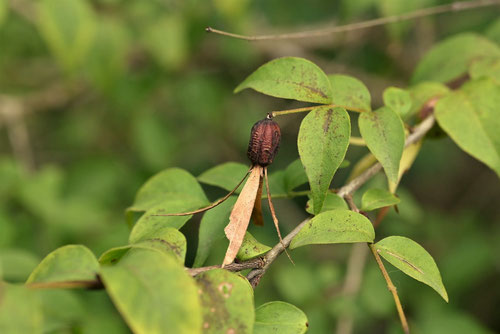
x,y
264,142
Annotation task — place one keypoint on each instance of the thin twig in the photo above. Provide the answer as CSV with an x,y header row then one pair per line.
x,y
250,264
273,214
297,110
453,7
391,288
346,325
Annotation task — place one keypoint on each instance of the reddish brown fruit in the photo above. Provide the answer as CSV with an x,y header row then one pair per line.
x,y
264,142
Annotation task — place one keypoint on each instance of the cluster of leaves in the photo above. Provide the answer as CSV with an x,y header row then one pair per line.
x,y
135,54
146,279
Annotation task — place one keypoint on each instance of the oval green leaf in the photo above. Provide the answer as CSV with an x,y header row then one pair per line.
x,y
349,93
171,191
332,202
225,176
280,318
398,100
212,229
68,263
377,198
452,57
333,227
384,135
470,118
167,186
68,27
251,248
322,141
20,310
227,301
153,293
290,78
412,259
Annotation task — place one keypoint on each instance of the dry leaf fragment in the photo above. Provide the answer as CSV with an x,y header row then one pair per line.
x,y
240,216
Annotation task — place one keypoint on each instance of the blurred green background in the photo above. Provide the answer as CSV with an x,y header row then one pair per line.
x,y
97,96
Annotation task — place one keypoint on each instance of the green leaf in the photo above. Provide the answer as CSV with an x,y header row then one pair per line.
x,y
295,175
384,135
167,186
349,93
470,118
335,226
158,235
167,40
332,202
423,93
251,248
377,198
322,141
171,191
398,99
20,310
227,301
280,318
412,259
154,293
486,67
226,175
212,229
68,27
290,78
155,235
67,263
452,57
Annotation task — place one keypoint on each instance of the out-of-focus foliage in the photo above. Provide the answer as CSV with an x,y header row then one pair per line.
x,y
97,96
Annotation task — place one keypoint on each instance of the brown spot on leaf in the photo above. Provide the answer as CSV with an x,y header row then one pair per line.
x,y
225,289
328,120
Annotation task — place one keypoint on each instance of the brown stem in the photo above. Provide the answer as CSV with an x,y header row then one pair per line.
x,y
391,288
250,264
453,7
273,214
297,110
